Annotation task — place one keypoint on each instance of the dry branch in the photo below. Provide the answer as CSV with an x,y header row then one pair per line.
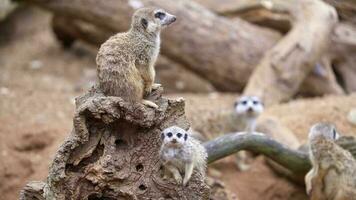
x,y
212,46
228,144
284,68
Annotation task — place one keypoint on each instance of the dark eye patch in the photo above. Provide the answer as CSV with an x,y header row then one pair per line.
x,y
179,135
169,134
334,134
185,137
255,102
244,102
160,15
144,23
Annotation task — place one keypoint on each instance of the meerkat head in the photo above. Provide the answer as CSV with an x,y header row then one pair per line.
x,y
151,20
174,136
249,106
323,130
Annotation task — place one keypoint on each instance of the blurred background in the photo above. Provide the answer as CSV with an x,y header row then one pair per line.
x,y
297,56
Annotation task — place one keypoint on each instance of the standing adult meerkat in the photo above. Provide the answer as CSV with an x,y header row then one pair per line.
x,y
333,175
247,109
125,62
181,154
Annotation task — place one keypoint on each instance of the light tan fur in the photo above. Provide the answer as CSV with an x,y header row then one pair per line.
x,y
125,62
333,175
182,156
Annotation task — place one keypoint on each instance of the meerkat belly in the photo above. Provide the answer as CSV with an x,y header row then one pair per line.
x,y
154,53
175,157
119,77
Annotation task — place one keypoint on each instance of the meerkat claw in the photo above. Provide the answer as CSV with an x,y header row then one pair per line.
x,y
155,86
149,104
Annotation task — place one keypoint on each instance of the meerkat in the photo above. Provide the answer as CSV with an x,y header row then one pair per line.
x,y
181,154
333,173
125,62
247,109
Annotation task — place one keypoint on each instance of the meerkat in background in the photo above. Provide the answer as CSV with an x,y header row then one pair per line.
x,y
333,173
125,62
247,109
181,154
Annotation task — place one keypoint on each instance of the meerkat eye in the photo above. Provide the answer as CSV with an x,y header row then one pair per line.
x,y
179,135
160,15
255,102
185,137
144,22
169,134
244,102
334,134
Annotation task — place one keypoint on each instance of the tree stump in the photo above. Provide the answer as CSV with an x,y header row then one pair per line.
x,y
112,152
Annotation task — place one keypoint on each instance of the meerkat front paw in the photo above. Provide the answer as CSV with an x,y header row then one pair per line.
x,y
147,90
149,103
178,179
155,86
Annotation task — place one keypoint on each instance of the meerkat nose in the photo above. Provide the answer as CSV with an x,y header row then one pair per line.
x,y
249,109
174,141
174,18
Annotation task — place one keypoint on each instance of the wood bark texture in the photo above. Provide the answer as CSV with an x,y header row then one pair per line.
x,y
284,68
113,152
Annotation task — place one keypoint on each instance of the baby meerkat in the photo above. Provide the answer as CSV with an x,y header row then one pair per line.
x,y
125,62
181,154
333,173
247,109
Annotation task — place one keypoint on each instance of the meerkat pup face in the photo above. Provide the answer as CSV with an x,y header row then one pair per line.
x,y
152,20
323,130
174,137
250,106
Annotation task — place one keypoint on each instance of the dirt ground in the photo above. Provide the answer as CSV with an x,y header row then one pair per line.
x,y
39,81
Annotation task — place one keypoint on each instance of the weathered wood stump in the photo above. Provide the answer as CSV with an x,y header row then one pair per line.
x,y
112,152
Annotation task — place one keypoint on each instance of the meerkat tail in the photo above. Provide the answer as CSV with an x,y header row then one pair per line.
x,y
149,103
188,173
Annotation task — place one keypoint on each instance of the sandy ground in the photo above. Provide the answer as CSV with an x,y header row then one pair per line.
x,y
39,81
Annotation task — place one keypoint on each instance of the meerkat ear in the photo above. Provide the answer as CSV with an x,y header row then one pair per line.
x,y
144,23
235,104
185,137
162,136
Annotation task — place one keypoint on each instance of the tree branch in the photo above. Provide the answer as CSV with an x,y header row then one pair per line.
x,y
295,161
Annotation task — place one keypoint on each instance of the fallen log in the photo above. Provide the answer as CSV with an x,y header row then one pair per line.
x,y
283,69
172,75
209,45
